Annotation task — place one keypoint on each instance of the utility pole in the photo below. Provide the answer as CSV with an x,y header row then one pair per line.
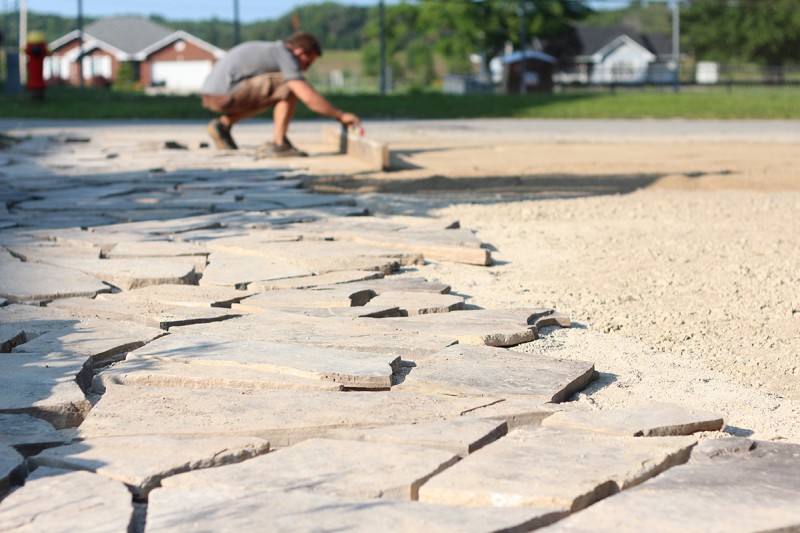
x,y
23,40
522,39
382,25
80,44
676,44
237,32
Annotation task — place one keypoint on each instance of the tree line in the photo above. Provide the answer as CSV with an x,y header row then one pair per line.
x,y
765,32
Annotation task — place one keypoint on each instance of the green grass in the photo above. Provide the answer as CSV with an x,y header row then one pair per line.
x,y
708,103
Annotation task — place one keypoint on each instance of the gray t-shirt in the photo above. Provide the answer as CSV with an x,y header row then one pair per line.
x,y
251,59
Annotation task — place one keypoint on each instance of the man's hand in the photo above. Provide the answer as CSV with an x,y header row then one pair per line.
x,y
350,120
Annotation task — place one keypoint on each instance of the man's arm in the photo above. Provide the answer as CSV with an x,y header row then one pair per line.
x,y
319,104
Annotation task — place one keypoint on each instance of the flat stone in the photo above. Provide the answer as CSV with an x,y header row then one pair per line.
x,y
57,501
349,469
748,490
179,295
45,386
129,249
12,468
28,435
153,315
366,311
43,252
142,462
281,417
96,339
481,326
309,298
33,282
129,274
22,323
165,227
358,334
419,303
236,509
158,373
239,271
320,256
461,436
518,411
401,284
653,420
483,370
350,368
545,467
308,282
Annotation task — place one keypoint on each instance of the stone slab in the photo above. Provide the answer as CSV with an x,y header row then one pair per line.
x,y
337,296
480,326
142,462
652,420
350,368
308,282
64,501
403,284
283,418
157,373
373,154
358,334
153,315
461,436
96,339
366,311
12,468
33,282
235,510
28,435
180,295
545,467
736,490
419,303
463,369
45,386
21,323
349,469
129,274
130,249
239,271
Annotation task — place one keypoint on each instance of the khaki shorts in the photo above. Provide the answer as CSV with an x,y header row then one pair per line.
x,y
250,96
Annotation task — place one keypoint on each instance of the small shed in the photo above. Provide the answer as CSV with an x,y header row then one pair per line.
x,y
528,71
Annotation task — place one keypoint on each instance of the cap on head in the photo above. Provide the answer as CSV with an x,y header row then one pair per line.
x,y
36,37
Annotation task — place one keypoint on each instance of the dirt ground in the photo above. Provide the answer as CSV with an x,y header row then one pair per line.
x,y
678,258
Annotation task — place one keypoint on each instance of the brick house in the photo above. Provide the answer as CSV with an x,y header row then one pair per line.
x,y
175,61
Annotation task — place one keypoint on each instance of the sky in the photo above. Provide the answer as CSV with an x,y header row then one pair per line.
x,y
249,10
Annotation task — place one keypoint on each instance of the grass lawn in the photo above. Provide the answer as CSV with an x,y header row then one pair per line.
x,y
690,103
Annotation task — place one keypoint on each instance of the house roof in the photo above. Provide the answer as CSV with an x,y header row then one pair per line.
x,y
129,34
528,54
593,39
131,38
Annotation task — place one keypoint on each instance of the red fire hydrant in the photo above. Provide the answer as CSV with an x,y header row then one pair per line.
x,y
36,50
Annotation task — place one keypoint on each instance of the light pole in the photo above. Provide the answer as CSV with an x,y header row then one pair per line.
x,y
522,38
237,32
676,44
382,26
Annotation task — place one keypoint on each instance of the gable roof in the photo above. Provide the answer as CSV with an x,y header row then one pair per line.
x,y
129,34
593,39
131,38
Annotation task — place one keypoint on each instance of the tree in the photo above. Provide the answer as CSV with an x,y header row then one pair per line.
x,y
463,27
766,32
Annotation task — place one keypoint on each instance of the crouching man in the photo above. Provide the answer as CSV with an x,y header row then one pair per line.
x,y
257,75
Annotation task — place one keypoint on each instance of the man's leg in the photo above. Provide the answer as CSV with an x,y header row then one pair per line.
x,y
282,116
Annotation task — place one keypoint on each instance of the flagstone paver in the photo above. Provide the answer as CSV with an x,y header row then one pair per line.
x,y
34,283
236,510
337,296
349,469
483,370
179,295
27,434
307,282
538,467
738,490
142,462
652,420
129,274
239,271
12,467
57,501
419,303
461,436
352,369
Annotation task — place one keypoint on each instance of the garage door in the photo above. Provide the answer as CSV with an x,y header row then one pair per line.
x,y
180,76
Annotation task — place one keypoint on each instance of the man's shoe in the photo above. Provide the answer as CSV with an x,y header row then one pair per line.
x,y
270,150
221,135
